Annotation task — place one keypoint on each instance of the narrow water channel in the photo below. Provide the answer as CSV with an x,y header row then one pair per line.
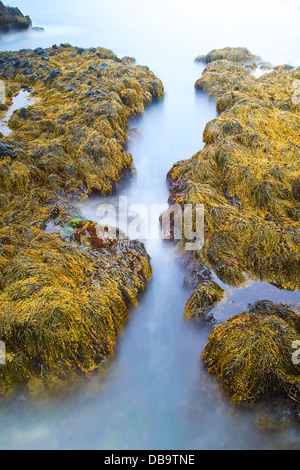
x,y
157,395
158,356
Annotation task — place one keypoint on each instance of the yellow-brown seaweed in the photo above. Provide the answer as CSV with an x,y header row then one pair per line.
x,y
65,293
247,175
251,354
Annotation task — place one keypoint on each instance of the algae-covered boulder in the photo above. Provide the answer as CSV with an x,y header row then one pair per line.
x,y
80,118
247,174
64,300
252,354
206,295
234,54
65,287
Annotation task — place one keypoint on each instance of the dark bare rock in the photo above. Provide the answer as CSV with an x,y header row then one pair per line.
x,y
7,150
12,19
196,274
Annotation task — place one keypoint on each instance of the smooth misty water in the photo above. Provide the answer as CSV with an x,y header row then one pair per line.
x,y
157,395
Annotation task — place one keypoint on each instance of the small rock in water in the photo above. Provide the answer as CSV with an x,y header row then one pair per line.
x,y
197,273
37,28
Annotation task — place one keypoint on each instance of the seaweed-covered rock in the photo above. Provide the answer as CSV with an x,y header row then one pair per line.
x,y
64,300
206,295
251,354
66,288
89,121
296,189
234,54
247,174
12,19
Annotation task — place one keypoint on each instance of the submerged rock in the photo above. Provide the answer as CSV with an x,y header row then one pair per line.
x,y
252,354
38,28
65,288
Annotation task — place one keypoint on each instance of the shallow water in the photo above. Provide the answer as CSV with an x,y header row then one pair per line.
x,y
21,100
157,395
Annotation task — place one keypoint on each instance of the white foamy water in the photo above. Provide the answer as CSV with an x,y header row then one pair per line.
x,y
158,396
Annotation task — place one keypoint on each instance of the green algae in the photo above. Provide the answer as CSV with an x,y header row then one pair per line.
x,y
66,294
74,222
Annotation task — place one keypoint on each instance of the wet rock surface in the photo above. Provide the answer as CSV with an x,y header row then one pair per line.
x,y
65,288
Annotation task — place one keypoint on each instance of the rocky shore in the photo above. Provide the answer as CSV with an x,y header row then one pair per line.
x,y
247,177
12,19
65,290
